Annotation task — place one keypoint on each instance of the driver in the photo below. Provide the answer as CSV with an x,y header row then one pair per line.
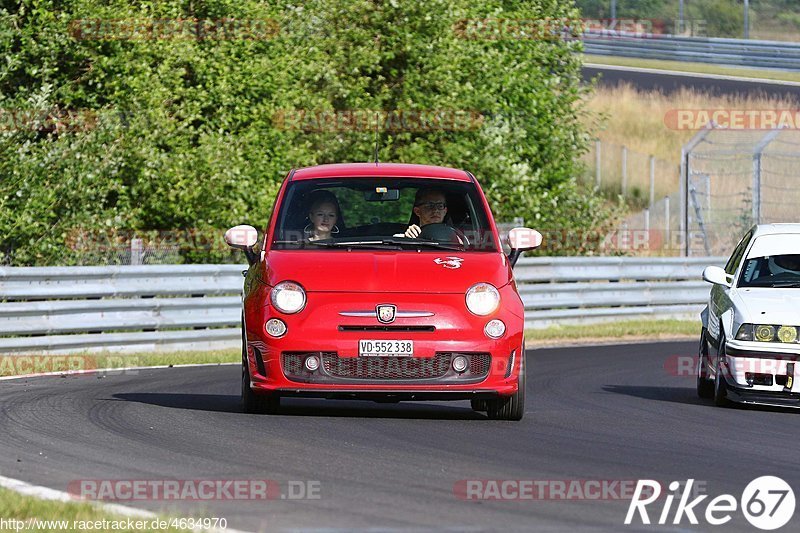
x,y
430,205
784,263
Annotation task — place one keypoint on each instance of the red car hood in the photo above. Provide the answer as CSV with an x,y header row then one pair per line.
x,y
359,271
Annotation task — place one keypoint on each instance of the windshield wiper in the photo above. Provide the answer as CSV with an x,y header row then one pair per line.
x,y
389,242
419,242
350,244
787,285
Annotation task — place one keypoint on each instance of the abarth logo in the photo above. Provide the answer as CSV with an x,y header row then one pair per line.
x,y
386,313
449,262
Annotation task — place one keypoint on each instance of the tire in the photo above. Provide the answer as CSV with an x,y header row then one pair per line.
x,y
705,386
478,405
251,402
720,386
511,407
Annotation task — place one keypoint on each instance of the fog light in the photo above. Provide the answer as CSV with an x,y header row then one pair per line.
x,y
312,363
275,327
460,363
494,329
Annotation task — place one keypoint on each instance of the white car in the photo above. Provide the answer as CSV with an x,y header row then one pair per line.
x,y
749,346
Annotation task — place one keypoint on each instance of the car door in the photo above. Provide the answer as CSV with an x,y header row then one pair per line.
x,y
720,299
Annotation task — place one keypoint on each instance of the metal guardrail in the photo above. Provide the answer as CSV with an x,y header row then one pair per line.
x,y
185,307
719,51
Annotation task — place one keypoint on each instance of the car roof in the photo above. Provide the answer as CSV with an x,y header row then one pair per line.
x,y
371,170
775,229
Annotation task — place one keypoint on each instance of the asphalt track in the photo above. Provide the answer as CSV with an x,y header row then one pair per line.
x,y
593,413
669,82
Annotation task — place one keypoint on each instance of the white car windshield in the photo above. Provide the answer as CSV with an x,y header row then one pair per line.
x,y
772,271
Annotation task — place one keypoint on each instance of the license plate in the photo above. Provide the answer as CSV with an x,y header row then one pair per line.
x,y
384,348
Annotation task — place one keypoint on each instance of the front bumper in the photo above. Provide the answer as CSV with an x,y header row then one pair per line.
x,y
761,376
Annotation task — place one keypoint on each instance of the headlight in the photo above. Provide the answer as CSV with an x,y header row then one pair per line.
x,y
787,334
288,297
483,299
767,333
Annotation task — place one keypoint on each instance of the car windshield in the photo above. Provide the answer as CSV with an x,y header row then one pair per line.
x,y
772,271
376,213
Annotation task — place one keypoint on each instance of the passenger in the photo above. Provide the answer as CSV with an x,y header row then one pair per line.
x,y
430,206
323,214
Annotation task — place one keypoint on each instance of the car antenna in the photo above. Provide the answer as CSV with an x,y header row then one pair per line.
x,y
376,138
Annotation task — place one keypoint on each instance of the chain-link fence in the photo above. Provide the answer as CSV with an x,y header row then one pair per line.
x,y
734,179
641,179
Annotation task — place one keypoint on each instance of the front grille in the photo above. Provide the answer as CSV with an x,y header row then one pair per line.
x,y
387,367
478,363
382,369
387,328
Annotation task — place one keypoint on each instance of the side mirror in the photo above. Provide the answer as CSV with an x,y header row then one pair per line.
x,y
717,276
521,240
243,238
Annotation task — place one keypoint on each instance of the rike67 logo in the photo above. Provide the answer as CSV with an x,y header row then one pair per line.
x,y
767,503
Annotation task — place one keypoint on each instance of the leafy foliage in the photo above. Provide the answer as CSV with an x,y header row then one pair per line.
x,y
181,133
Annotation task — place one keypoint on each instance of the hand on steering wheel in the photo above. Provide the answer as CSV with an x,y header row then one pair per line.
x,y
413,231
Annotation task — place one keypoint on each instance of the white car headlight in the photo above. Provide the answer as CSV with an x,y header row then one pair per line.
x,y
767,333
483,299
288,297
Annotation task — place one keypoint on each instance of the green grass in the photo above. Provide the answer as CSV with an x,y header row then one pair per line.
x,y
631,329
19,507
703,68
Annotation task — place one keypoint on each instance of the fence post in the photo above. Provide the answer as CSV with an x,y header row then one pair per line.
x,y
666,222
624,171
597,159
136,251
652,180
759,150
685,172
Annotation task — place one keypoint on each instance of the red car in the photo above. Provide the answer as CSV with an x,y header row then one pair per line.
x,y
385,282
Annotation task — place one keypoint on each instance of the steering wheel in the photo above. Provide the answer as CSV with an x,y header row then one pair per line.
x,y
444,233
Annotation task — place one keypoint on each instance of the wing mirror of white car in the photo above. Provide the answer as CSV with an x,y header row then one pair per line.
x,y
243,237
717,276
521,240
